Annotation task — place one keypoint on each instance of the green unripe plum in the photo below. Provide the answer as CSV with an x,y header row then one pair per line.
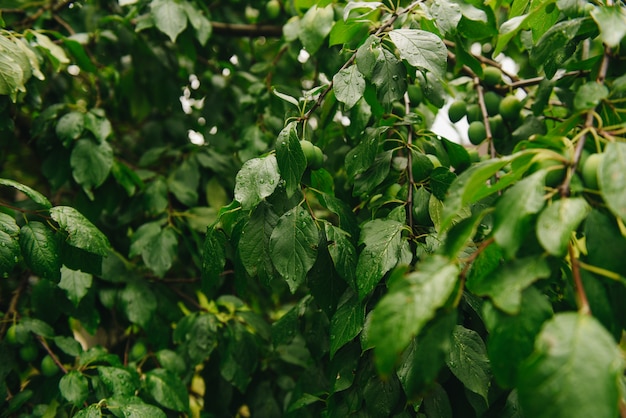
x,y
272,8
476,132
416,95
457,110
11,335
492,103
48,366
473,154
29,352
590,170
496,125
510,107
473,113
138,351
393,190
492,76
556,171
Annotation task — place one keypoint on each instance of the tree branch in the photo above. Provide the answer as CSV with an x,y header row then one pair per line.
x,y
243,30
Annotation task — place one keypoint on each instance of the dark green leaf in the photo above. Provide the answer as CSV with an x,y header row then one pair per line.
x,y
421,49
346,323
183,182
213,255
155,196
119,381
293,246
612,178
75,283
138,302
68,345
167,389
600,230
367,55
74,387
37,327
383,243
506,284
256,180
239,359
389,77
133,407
290,158
361,157
70,127
254,244
412,301
9,253
33,194
342,252
40,249
81,233
160,252
468,361
557,222
574,371
145,234
589,95
98,124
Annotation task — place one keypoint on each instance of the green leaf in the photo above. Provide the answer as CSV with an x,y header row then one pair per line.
x,y
611,21
41,251
574,371
383,244
468,361
34,195
56,54
167,389
97,123
506,284
145,234
198,333
118,380
315,25
293,246
512,337
159,253
361,157
349,86
257,179
37,327
447,15
169,17
155,196
290,158
346,323
557,222
555,47
612,178
367,55
81,233
9,253
133,407
91,164
138,302
389,77
126,177
199,21
213,255
514,211
183,182
426,356
421,49
240,357
74,387
589,95
13,72
412,301
68,345
9,225
342,252
254,243
92,411
70,126
75,283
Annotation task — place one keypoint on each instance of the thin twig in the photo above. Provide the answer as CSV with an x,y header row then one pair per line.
x,y
583,302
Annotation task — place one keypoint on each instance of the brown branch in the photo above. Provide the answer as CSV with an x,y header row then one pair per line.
x,y
243,30
53,356
583,302
409,142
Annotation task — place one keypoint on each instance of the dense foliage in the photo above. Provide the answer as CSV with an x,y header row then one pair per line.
x,y
245,208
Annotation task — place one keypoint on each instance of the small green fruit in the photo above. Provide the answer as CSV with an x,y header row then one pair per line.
x,y
138,351
416,95
473,154
393,190
272,8
474,113
11,335
48,366
29,352
476,132
510,107
318,159
492,103
556,171
590,170
492,76
457,110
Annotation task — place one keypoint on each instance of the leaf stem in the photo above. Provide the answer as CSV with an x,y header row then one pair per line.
x,y
583,302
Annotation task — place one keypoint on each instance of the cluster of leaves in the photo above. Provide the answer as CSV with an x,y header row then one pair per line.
x,y
204,260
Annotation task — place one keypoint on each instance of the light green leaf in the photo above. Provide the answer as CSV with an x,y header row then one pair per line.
x,y
383,244
421,49
169,17
346,323
15,67
551,49
389,77
118,380
293,246
167,389
70,126
138,302
96,122
468,361
133,407
315,25
574,371
589,95
75,283
290,158
505,284
514,211
254,244
349,86
68,345
9,225
512,337
257,179
160,252
611,21
56,54
199,21
41,250
557,222
612,178
74,387
9,253
92,411
91,163
81,233
447,15
354,5
412,301
34,195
